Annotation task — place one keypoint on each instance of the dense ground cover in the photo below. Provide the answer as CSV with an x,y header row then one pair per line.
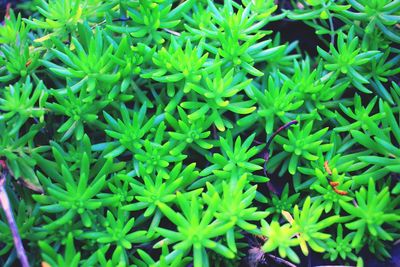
x,y
205,133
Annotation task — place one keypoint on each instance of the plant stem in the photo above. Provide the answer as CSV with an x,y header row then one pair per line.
x,y
287,125
280,260
332,28
267,154
5,204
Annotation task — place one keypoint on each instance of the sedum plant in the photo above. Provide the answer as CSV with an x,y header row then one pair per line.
x,y
219,95
70,197
125,131
199,133
371,220
347,59
281,237
196,229
303,144
22,103
234,207
169,60
189,133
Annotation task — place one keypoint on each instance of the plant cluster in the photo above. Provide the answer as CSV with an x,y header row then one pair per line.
x,y
156,133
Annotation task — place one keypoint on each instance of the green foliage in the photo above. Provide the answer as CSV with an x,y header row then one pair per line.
x,y
67,195
170,133
149,18
280,237
190,133
17,61
13,29
308,224
377,16
17,150
330,197
372,212
19,104
284,202
170,61
118,232
78,111
234,206
25,220
127,131
196,229
276,102
70,258
218,96
318,9
348,59
302,144
88,61
62,17
341,246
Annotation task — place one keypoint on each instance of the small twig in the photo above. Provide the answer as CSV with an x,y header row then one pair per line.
x,y
5,204
266,155
214,132
267,152
7,15
332,28
280,129
30,185
280,260
123,19
8,8
272,188
172,32
327,169
258,142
